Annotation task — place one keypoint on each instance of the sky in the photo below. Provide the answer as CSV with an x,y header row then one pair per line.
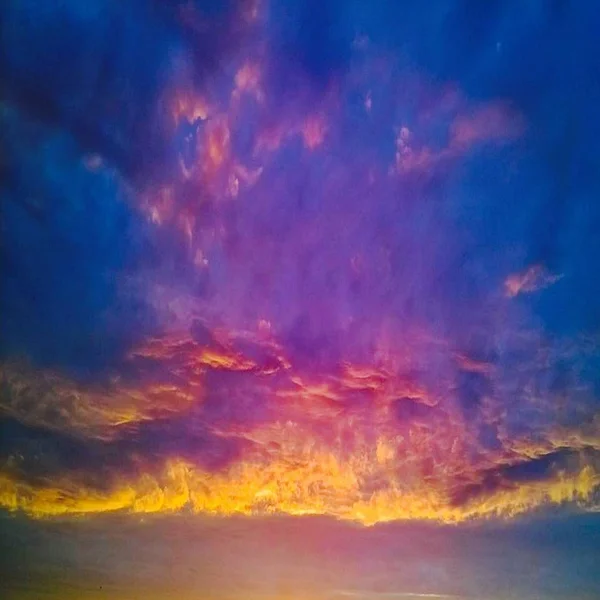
x,y
299,299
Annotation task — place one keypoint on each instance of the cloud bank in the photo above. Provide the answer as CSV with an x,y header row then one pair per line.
x,y
290,258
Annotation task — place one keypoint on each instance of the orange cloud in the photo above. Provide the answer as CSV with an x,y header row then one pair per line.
x,y
221,421
488,123
532,279
492,124
247,80
364,443
313,131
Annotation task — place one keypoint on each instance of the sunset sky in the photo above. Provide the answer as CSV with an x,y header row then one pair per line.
x,y
300,300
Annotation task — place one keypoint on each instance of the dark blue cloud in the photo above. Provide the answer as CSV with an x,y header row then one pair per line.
x,y
82,86
68,233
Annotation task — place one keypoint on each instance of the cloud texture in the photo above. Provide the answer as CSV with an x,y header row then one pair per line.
x,y
299,257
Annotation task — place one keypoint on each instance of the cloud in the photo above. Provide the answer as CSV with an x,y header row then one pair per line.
x,y
532,279
251,435
233,285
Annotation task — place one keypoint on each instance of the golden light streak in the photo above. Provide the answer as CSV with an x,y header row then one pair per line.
x,y
318,484
316,457
48,400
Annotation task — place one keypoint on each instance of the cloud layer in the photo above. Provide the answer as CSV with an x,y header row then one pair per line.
x,y
288,258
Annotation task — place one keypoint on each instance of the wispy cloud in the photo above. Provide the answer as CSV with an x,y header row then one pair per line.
x,y
250,266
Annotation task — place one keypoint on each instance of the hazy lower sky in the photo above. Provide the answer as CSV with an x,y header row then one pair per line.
x,y
299,299
126,557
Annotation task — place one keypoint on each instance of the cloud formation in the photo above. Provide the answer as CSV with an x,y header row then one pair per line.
x,y
264,260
